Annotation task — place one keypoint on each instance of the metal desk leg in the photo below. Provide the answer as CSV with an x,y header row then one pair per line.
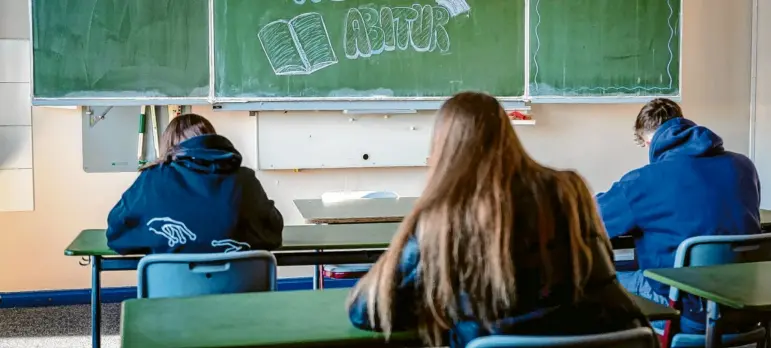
x,y
318,275
96,303
315,277
714,330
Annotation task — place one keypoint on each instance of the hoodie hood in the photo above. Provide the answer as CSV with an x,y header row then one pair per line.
x,y
681,137
208,154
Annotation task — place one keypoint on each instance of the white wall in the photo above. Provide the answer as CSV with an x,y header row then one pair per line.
x,y
595,139
763,101
16,175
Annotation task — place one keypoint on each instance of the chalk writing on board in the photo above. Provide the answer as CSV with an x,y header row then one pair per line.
x,y
370,32
300,46
454,7
302,2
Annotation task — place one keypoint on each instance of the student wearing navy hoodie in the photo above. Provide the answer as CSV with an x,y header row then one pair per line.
x,y
692,187
196,198
497,244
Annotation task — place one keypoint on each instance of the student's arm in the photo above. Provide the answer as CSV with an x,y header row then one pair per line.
x,y
403,304
262,220
615,211
123,221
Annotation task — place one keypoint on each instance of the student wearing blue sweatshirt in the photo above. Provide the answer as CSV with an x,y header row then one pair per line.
x,y
196,198
496,244
691,187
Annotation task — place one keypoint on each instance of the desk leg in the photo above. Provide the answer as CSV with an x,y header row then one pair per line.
x,y
318,275
96,302
714,330
315,277
321,274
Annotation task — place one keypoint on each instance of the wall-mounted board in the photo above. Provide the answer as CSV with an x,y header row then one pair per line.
x,y
366,49
307,141
93,49
351,54
604,48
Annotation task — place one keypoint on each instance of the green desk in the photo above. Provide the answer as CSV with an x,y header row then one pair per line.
x,y
353,211
316,211
301,246
292,318
765,220
295,238
741,286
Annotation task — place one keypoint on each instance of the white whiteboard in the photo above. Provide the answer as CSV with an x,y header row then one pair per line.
x,y
314,140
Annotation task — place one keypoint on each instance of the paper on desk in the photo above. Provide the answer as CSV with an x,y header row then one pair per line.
x,y
332,197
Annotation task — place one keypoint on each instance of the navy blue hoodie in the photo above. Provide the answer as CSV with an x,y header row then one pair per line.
x,y
692,187
202,201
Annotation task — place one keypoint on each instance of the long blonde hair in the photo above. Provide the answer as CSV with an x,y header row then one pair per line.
x,y
180,128
480,182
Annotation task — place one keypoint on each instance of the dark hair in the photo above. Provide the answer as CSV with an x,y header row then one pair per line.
x,y
180,128
653,115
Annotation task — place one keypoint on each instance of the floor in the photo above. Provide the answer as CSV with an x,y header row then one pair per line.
x,y
57,327
62,327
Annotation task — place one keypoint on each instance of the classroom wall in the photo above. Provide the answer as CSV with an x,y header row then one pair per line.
x,y
16,172
763,104
595,139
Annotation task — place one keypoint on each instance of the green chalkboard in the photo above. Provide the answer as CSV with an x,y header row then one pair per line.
x,y
368,48
120,48
604,47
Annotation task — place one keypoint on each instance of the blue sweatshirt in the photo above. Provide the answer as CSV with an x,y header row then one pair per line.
x,y
692,187
202,201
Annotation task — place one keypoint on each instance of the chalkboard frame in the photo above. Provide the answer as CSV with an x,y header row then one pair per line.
x,y
348,105
543,99
102,101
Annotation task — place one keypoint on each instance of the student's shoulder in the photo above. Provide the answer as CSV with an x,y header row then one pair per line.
x,y
742,160
636,174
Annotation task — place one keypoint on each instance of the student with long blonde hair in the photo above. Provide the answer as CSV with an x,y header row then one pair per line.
x,y
496,244
195,198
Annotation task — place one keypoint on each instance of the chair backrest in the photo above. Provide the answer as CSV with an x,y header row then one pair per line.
x,y
182,275
718,250
641,337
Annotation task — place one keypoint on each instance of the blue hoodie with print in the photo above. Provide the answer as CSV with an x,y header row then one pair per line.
x,y
692,187
202,201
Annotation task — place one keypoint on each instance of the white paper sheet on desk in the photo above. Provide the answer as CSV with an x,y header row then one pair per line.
x,y
332,197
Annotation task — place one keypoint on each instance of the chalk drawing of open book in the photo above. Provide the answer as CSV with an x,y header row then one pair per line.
x,y
300,46
455,7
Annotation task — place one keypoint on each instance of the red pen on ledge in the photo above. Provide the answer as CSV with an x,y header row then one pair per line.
x,y
516,115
